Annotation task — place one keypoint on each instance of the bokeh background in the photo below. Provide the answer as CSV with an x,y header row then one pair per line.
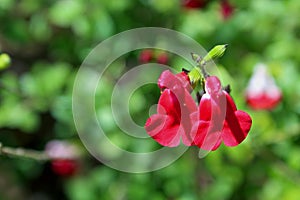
x,y
47,42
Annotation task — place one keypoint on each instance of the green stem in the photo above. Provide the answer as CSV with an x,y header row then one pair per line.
x,y
23,153
203,71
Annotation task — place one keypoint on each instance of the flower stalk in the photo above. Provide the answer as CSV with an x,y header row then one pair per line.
x,y
23,153
199,72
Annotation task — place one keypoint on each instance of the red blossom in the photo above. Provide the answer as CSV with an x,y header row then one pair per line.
x,y
262,92
218,119
172,121
146,56
194,4
226,9
162,58
63,157
64,167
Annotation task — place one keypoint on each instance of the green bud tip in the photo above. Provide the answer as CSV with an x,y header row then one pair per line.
x,y
216,52
4,61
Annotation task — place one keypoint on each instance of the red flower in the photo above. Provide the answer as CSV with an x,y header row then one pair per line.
x,y
194,4
64,167
218,119
226,9
163,58
262,92
172,121
146,56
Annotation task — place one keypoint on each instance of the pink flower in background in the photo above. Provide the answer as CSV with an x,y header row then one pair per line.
x,y
162,58
194,4
226,9
262,92
146,56
172,121
218,119
63,157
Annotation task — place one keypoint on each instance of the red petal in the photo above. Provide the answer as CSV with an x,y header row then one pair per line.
x,y
155,124
205,108
263,102
169,105
211,120
204,137
162,129
237,126
244,120
64,167
230,100
187,106
213,86
171,81
173,118
185,80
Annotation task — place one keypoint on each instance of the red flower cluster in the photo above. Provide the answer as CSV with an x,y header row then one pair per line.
x,y
262,92
216,119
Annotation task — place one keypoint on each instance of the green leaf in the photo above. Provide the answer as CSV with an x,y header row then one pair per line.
x,y
15,115
44,83
64,13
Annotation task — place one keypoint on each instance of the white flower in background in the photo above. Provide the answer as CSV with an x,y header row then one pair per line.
x,y
262,92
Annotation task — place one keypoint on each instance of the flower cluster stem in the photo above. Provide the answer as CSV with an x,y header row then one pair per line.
x,y
23,153
203,71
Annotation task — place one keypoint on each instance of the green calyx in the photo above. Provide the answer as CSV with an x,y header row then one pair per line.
x,y
195,77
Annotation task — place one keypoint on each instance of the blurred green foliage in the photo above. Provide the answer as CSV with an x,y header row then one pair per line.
x,y
48,40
